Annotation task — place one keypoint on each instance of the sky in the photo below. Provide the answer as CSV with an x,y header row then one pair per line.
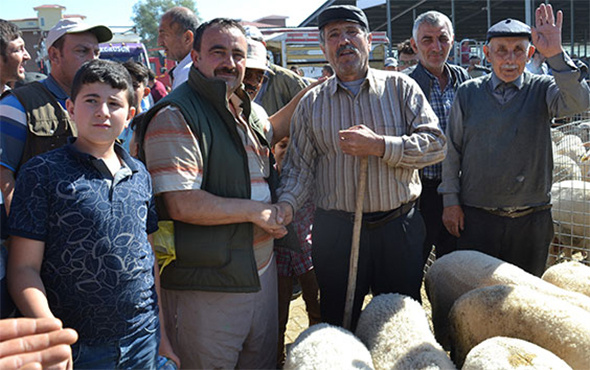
x,y
119,12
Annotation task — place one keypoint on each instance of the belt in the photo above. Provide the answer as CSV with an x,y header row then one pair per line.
x,y
517,213
374,219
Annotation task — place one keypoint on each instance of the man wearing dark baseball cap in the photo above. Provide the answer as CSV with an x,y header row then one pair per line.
x,y
497,176
42,123
362,112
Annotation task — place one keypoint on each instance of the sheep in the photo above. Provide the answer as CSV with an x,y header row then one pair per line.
x,y
503,353
565,168
584,166
556,135
573,276
395,329
324,346
457,273
579,130
571,212
572,146
523,313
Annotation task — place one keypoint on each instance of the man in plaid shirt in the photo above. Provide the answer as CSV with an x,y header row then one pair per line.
x,y
432,38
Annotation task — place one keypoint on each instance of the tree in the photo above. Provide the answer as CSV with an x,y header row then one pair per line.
x,y
147,14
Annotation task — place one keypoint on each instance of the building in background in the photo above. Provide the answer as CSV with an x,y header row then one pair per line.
x,y
34,31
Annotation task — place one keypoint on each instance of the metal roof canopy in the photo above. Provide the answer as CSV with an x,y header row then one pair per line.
x,y
472,19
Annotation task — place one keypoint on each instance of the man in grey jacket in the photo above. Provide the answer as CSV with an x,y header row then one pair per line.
x,y
498,171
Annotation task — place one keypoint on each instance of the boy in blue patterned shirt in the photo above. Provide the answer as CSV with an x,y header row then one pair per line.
x,y
80,220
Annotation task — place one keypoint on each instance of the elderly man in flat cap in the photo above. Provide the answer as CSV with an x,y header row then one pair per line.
x,y
498,171
361,112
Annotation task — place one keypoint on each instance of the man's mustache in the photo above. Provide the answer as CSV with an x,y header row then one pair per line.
x,y
225,70
346,47
247,87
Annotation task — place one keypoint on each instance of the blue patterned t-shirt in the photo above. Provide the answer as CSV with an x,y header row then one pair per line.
x,y
98,265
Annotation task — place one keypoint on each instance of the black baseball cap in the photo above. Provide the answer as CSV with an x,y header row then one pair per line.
x,y
342,13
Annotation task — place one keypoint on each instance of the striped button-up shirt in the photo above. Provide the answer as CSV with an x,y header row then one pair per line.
x,y
390,104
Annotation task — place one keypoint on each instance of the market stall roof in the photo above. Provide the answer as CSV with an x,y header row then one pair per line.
x,y
471,16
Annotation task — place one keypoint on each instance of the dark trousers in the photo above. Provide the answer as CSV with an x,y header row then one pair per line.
x,y
522,241
390,260
431,208
310,293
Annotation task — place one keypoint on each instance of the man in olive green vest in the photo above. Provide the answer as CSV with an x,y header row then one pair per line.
x,y
209,157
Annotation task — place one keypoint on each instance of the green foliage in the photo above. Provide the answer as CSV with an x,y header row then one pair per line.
x,y
147,14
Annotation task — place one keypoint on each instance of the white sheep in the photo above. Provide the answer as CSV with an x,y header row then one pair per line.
x,y
556,135
324,346
457,273
503,353
573,276
571,212
523,313
395,329
583,165
572,146
565,168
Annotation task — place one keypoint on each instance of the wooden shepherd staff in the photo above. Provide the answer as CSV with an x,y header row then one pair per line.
x,y
356,239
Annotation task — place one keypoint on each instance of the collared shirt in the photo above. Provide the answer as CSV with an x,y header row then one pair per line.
x,y
13,124
98,265
565,94
504,91
441,102
390,104
180,72
175,162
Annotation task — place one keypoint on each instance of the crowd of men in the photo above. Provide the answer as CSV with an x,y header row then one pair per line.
x,y
454,163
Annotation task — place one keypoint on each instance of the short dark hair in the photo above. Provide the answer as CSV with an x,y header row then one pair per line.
x,y
139,73
223,23
8,32
405,47
107,72
184,18
59,43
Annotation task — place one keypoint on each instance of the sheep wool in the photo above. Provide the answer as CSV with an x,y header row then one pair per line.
x,y
571,213
523,313
565,168
571,146
503,353
457,273
573,276
324,346
395,329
